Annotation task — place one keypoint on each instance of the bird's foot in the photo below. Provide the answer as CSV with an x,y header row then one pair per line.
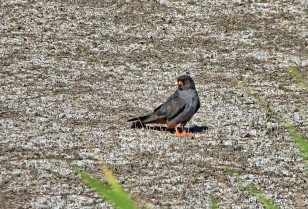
x,y
180,134
188,133
183,133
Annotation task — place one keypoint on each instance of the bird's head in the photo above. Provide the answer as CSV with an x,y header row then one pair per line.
x,y
185,82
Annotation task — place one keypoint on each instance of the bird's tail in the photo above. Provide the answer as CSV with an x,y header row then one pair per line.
x,y
140,122
141,118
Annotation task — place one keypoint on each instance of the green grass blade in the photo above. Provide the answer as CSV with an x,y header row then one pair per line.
x,y
262,198
214,203
113,192
268,203
300,141
298,77
101,188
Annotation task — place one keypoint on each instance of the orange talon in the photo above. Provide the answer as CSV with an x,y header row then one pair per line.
x,y
184,133
189,133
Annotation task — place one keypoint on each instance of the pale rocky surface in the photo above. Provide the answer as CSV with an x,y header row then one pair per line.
x,y
73,72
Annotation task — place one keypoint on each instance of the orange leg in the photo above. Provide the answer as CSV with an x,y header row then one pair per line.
x,y
184,133
188,133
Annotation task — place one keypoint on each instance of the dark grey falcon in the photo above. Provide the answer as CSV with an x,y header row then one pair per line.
x,y
178,109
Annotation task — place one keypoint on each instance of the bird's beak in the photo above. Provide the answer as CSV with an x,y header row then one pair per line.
x,y
181,83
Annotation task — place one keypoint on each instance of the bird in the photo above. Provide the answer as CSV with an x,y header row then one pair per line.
x,y
179,108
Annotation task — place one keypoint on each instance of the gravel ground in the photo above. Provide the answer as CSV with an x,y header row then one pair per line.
x,y
73,72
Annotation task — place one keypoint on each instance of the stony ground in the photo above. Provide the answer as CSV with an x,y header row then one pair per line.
x,y
73,72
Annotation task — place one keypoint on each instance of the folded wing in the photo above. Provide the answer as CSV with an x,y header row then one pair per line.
x,y
168,110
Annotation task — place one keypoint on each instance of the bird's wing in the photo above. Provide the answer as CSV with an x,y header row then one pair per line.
x,y
172,107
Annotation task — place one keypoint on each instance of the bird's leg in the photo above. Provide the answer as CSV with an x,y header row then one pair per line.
x,y
184,131
178,133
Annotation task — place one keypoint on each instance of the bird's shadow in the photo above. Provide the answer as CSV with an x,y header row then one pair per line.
x,y
193,129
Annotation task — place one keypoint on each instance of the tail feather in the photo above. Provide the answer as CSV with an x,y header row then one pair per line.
x,y
139,122
141,118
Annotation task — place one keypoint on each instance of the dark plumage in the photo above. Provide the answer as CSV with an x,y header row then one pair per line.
x,y
178,109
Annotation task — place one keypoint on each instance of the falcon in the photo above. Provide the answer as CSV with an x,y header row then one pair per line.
x,y
178,109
